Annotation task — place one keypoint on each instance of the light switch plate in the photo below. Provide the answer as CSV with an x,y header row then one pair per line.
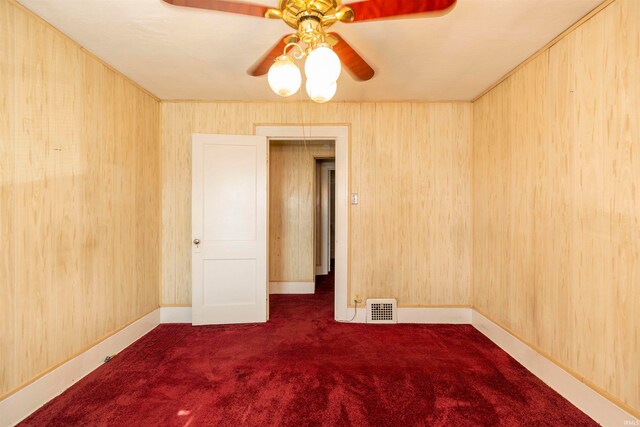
x,y
354,198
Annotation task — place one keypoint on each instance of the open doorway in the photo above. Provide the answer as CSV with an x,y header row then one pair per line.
x,y
339,134
299,213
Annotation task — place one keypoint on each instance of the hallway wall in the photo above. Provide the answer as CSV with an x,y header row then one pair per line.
x,y
292,168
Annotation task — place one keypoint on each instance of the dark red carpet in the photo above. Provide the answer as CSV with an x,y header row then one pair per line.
x,y
304,369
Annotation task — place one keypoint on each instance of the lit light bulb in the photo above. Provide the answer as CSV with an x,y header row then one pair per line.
x,y
321,91
322,64
284,77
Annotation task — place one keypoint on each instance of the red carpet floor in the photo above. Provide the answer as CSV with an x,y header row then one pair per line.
x,y
304,369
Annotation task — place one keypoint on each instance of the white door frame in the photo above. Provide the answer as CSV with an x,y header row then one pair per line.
x,y
339,134
325,217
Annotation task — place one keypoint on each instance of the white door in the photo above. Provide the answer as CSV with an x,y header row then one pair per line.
x,y
229,229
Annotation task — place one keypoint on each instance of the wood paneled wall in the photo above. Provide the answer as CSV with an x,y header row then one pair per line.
x,y
410,235
557,202
292,169
79,199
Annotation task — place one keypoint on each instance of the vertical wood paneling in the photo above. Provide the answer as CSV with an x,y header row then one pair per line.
x,y
460,221
403,177
363,234
622,196
292,172
386,257
589,218
7,198
33,183
557,202
92,210
169,206
384,236
66,221
79,199
182,198
482,116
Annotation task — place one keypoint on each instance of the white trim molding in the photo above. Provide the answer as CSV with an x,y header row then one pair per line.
x,y
27,400
175,315
292,288
434,315
426,315
592,403
339,134
449,315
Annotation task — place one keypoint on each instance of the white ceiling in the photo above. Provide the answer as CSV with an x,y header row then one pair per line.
x,y
182,53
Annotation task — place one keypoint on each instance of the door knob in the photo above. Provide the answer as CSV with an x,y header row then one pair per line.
x,y
196,241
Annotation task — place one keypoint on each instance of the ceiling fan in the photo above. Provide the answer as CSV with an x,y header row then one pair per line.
x,y
324,50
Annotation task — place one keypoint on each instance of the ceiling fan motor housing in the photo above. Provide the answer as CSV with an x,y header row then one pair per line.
x,y
295,11
310,29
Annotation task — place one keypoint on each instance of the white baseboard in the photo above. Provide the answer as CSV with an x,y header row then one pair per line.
x,y
175,314
602,410
292,287
456,315
450,315
355,315
453,315
27,400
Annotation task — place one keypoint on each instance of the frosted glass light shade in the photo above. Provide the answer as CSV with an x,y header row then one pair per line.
x,y
284,77
321,91
322,64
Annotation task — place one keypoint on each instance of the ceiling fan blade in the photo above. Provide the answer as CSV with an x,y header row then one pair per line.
x,y
356,66
380,9
261,67
223,6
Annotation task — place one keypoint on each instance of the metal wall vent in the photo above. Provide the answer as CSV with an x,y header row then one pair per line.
x,y
382,311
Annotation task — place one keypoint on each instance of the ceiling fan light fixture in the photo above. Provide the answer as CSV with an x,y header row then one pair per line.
x,y
320,91
284,77
322,64
311,19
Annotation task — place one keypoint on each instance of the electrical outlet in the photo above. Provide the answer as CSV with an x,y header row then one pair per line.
x,y
357,299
